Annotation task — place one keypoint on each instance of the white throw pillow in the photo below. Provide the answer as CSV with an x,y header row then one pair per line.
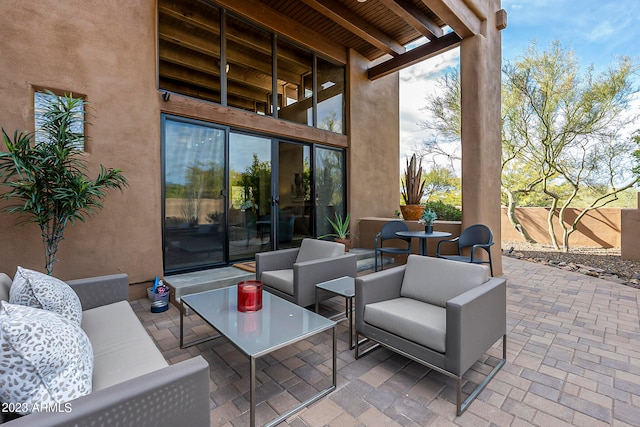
x,y
44,357
35,289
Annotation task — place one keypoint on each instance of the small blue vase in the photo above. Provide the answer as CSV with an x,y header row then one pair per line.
x,y
428,229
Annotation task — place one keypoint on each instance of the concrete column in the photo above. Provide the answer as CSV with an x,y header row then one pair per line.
x,y
480,75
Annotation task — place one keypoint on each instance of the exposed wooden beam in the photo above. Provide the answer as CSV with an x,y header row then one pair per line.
x,y
479,8
413,16
457,15
269,18
188,107
414,56
351,21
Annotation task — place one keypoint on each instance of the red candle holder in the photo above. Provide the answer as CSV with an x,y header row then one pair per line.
x,y
249,296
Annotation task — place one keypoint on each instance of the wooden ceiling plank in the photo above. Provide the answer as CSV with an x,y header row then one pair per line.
x,y
457,15
413,16
352,22
192,78
414,56
269,18
233,34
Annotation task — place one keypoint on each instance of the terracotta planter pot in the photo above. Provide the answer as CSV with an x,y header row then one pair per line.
x,y
411,212
345,242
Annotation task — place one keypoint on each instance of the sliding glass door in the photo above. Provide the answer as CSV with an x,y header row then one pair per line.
x,y
249,195
295,207
230,194
330,184
194,203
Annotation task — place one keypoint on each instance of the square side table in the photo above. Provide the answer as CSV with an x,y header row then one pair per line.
x,y
345,287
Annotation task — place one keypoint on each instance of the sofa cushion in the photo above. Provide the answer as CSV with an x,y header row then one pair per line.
x,y
414,320
122,349
35,289
281,280
45,358
312,249
5,284
436,280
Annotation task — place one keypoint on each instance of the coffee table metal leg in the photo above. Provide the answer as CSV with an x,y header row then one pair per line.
x,y
181,323
252,392
313,398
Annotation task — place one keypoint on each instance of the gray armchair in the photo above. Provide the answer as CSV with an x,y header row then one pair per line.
x,y
292,274
440,313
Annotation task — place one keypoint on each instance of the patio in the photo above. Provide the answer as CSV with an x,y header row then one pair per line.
x,y
572,360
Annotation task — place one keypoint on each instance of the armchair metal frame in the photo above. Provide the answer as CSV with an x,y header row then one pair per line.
x,y
477,236
475,320
388,232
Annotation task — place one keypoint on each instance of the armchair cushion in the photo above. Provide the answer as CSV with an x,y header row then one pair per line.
x,y
414,320
435,280
279,279
312,249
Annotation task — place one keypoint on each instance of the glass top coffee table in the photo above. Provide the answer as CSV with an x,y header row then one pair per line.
x,y
278,324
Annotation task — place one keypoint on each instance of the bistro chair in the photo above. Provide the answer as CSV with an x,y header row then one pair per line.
x,y
477,236
388,232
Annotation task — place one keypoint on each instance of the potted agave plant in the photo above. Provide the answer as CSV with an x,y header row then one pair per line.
x,y
412,189
341,230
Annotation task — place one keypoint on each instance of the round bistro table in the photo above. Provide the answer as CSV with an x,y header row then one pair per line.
x,y
423,236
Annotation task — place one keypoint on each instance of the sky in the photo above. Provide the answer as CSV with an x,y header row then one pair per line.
x,y
597,31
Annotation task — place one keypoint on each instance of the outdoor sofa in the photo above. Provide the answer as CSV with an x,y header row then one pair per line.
x,y
132,384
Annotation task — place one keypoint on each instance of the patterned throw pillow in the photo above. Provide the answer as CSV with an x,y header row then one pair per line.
x,y
44,357
35,289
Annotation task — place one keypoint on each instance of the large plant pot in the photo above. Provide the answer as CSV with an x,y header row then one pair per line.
x,y
411,212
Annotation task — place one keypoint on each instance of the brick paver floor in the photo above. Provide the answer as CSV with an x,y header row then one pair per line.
x,y
573,359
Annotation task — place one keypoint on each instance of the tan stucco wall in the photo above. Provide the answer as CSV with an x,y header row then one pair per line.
x,y
480,74
105,51
599,228
374,137
630,224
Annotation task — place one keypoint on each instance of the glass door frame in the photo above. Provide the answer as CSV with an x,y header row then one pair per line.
x,y
164,118
274,183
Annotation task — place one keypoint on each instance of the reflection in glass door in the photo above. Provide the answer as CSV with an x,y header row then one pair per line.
x,y
194,180
330,187
249,195
295,210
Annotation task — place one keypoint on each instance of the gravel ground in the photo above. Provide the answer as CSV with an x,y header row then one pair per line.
x,y
598,262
